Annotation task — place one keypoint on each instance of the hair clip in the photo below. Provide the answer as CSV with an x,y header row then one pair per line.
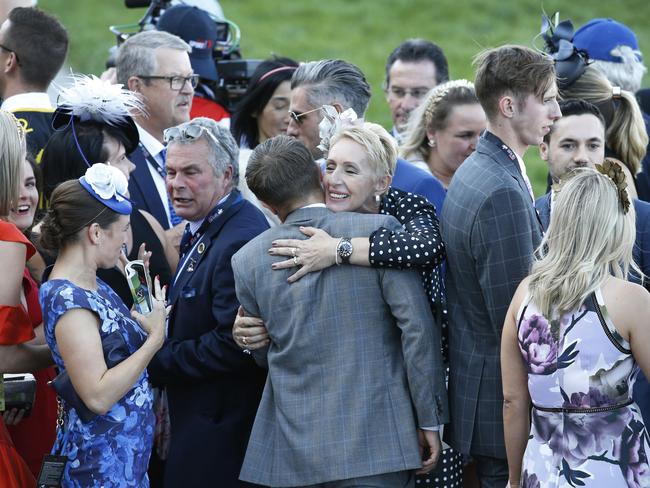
x,y
614,172
616,92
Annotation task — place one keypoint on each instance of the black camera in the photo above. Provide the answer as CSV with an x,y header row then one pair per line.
x,y
233,72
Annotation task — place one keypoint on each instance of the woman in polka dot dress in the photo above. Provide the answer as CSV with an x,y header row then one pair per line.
x,y
357,178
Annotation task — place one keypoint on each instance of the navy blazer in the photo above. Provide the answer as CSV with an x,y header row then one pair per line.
x,y
143,191
409,177
213,388
642,179
641,255
641,250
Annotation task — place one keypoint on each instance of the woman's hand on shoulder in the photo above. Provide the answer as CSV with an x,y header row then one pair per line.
x,y
154,322
249,333
313,254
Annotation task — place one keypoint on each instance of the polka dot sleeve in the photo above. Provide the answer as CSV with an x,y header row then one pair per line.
x,y
418,245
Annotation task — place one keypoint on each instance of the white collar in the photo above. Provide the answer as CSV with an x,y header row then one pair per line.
x,y
26,101
150,143
315,205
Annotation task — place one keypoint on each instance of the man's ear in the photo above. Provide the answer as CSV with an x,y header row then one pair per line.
x,y
10,64
228,172
134,84
339,108
543,151
274,210
506,106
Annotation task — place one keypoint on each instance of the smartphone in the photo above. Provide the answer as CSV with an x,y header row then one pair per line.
x,y
140,286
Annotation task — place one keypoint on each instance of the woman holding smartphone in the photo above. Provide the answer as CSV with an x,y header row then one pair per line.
x,y
87,225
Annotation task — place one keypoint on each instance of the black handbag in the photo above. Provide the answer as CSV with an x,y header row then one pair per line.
x,y
115,351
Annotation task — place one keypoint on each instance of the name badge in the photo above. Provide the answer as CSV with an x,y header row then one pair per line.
x,y
52,471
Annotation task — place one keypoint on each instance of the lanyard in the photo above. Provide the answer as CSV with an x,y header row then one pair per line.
x,y
234,198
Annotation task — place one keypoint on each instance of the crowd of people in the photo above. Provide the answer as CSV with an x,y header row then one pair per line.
x,y
328,303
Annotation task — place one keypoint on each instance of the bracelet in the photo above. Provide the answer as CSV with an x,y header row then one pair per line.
x,y
336,252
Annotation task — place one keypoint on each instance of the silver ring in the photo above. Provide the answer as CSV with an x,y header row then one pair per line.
x,y
295,260
293,251
244,341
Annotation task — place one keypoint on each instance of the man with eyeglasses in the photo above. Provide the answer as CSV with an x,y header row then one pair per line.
x,y
341,84
157,66
213,389
33,46
412,69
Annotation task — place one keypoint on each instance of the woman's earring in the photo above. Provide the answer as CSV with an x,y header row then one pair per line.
x,y
377,199
431,143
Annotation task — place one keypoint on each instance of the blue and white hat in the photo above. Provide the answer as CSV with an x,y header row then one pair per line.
x,y
108,185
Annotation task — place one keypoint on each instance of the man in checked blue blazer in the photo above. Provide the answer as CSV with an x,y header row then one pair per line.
x,y
355,377
578,140
490,229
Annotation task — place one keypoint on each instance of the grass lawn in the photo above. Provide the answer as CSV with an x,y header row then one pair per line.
x,y
361,31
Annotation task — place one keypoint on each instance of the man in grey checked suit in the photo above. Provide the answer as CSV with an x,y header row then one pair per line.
x,y
355,377
490,229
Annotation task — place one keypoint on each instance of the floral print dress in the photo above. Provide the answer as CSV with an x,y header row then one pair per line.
x,y
112,450
586,431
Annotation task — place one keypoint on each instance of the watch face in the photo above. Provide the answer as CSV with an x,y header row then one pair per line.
x,y
345,249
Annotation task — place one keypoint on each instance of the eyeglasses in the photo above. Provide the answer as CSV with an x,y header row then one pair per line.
x,y
192,132
417,93
5,48
175,82
296,116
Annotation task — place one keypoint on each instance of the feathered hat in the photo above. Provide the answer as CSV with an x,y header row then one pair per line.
x,y
92,99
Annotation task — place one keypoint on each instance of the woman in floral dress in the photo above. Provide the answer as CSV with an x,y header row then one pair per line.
x,y
582,332
87,224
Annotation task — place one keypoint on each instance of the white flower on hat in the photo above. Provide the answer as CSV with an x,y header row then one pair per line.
x,y
333,122
107,181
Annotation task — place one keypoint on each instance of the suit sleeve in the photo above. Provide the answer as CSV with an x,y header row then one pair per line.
x,y
404,294
502,245
244,287
213,353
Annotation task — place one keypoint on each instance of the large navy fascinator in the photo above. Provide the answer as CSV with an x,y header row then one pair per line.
x,y
108,185
570,62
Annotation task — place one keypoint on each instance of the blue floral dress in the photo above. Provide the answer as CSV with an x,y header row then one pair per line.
x,y
111,450
586,431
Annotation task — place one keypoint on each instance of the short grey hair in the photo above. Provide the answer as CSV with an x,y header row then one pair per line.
x,y
333,81
137,55
626,74
224,152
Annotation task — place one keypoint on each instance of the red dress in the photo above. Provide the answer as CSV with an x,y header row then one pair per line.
x,y
15,328
34,436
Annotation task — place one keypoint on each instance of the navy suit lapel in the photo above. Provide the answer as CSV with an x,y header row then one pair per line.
x,y
200,250
143,189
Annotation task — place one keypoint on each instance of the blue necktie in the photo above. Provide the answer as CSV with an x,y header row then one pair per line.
x,y
175,219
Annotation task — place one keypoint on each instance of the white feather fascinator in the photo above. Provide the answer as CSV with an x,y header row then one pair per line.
x,y
90,99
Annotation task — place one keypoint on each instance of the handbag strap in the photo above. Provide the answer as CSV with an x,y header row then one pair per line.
x,y
60,425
